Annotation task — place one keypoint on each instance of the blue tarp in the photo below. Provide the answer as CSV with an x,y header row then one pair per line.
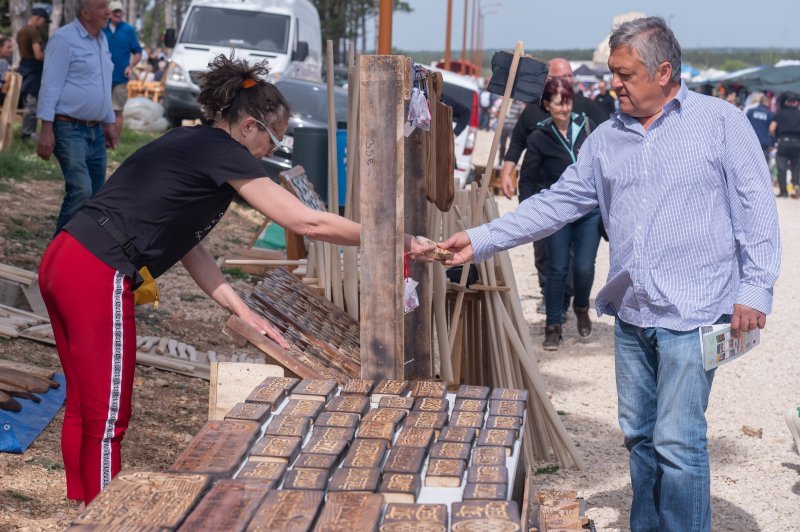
x,y
19,429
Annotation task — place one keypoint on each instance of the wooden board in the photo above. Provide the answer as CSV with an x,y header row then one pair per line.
x,y
435,389
285,425
272,471
355,479
346,512
504,422
393,401
391,415
445,158
400,487
281,449
492,474
271,395
217,449
470,405
430,404
365,453
489,456
287,511
319,389
333,433
325,446
381,170
145,499
309,408
451,450
232,382
485,492
415,437
357,387
497,438
457,435
466,391
389,387
404,459
443,473
483,515
257,412
401,517
326,462
464,419
356,404
306,479
381,430
427,420
229,505
509,394
506,407
337,419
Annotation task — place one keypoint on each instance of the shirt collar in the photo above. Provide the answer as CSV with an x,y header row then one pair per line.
x,y
672,105
83,33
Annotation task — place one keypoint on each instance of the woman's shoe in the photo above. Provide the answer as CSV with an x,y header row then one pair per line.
x,y
552,337
584,322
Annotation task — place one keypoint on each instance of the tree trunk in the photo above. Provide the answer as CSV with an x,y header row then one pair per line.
x,y
155,29
169,14
70,11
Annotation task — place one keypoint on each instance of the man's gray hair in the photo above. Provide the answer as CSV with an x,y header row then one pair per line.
x,y
652,39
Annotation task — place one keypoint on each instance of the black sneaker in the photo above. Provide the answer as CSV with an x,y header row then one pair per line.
x,y
552,337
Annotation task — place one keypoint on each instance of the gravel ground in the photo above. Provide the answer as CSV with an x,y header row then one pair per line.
x,y
755,483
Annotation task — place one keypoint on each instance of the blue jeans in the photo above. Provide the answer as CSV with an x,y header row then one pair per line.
x,y
662,391
81,153
584,236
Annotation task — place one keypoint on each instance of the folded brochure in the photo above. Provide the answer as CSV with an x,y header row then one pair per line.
x,y
720,346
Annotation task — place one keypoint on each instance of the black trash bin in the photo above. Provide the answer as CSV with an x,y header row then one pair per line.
x,y
310,150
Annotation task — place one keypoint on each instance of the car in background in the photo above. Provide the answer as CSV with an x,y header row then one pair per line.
x,y
464,90
309,101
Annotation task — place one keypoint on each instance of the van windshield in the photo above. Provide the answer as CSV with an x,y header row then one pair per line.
x,y
253,30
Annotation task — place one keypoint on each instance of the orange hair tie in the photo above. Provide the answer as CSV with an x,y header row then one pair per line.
x,y
249,83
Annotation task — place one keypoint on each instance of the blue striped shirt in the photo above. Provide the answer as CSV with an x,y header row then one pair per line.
x,y
688,206
76,80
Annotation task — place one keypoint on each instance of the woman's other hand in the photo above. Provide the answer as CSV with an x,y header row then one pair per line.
x,y
263,326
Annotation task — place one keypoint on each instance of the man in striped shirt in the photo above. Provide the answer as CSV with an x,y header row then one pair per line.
x,y
687,201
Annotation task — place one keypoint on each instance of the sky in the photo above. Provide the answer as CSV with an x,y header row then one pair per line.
x,y
585,23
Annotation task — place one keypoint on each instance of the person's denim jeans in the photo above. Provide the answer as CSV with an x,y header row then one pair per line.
x,y
81,153
662,393
583,235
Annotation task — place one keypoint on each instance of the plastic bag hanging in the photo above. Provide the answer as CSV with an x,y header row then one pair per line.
x,y
410,297
419,113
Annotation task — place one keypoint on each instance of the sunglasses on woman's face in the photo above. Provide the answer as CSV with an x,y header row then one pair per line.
x,y
277,145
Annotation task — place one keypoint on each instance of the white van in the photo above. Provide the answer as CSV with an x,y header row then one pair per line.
x,y
285,32
465,90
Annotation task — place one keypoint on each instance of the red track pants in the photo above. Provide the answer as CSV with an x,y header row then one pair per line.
x,y
91,310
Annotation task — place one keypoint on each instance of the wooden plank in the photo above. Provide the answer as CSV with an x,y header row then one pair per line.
x,y
280,449
417,327
401,517
381,170
405,460
365,454
229,505
357,387
435,389
326,462
389,387
306,479
287,511
488,456
492,474
351,479
232,382
466,391
333,182
309,408
400,487
430,404
451,450
415,437
272,471
483,515
443,473
337,419
237,325
470,405
356,404
457,435
393,401
148,499
346,512
445,158
485,492
288,425
257,412
217,449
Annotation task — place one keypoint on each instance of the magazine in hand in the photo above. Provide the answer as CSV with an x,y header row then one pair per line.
x,y
719,345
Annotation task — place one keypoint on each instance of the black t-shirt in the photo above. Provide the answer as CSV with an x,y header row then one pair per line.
x,y
166,197
788,120
606,103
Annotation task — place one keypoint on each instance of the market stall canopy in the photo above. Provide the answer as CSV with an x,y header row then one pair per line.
x,y
775,79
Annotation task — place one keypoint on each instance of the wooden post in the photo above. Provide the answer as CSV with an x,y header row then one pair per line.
x,y
381,167
351,202
418,322
448,32
334,262
385,27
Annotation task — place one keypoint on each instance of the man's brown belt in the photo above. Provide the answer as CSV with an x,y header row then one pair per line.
x,y
87,123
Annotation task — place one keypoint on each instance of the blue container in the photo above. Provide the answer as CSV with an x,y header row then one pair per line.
x,y
341,164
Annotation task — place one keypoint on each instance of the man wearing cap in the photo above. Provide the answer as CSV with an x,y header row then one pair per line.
x,y
75,105
122,42
785,127
31,52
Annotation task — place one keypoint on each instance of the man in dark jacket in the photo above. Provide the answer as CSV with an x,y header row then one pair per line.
x,y
786,129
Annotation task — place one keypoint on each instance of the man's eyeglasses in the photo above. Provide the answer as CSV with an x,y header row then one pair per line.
x,y
277,145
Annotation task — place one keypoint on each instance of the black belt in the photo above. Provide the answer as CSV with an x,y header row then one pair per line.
x,y
87,123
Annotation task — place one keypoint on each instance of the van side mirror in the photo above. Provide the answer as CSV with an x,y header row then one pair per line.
x,y
169,38
301,52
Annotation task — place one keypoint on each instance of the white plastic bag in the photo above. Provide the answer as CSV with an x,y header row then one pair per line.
x,y
410,297
419,114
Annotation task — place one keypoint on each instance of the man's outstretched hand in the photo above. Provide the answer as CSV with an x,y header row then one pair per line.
x,y
461,247
746,319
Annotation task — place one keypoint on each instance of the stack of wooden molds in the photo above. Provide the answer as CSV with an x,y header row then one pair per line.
x,y
308,454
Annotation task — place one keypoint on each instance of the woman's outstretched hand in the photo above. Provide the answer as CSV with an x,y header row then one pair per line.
x,y
461,247
418,249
